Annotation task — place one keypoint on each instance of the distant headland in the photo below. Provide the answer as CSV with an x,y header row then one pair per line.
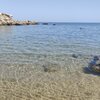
x,y
7,19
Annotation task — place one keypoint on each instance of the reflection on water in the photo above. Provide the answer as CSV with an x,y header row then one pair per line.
x,y
36,43
6,29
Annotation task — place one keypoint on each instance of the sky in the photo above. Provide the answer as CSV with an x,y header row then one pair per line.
x,y
53,10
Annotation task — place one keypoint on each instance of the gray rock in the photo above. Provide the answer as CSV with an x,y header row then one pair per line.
x,y
74,56
51,67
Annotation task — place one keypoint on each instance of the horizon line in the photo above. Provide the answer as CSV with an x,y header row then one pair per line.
x,y
64,22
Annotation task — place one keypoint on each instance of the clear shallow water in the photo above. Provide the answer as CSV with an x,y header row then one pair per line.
x,y
29,44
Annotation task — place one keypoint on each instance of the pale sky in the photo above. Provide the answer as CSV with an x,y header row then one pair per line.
x,y
53,10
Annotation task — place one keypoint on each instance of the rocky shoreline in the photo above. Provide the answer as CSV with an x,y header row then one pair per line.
x,y
6,19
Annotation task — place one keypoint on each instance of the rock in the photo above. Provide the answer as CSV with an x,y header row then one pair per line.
x,y
54,24
74,56
6,19
51,67
96,68
77,55
94,65
45,23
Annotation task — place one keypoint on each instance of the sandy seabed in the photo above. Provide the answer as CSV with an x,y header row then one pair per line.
x,y
32,82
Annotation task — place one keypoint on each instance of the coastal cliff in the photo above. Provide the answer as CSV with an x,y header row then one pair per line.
x,y
6,19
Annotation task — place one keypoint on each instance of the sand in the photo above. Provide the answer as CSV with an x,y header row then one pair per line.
x,y
31,82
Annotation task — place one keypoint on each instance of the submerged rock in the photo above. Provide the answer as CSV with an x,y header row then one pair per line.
x,y
51,67
77,55
74,56
6,19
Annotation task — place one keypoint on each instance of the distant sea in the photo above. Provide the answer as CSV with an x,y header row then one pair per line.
x,y
28,44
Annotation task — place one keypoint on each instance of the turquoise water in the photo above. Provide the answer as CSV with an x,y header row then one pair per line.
x,y
27,44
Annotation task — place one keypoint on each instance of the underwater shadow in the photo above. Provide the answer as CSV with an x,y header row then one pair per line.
x,y
86,70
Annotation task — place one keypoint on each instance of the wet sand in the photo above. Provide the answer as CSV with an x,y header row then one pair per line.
x,y
71,81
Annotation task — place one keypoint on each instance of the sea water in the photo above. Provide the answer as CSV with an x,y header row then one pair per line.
x,y
34,43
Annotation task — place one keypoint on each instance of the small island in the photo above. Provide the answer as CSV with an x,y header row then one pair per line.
x,y
7,19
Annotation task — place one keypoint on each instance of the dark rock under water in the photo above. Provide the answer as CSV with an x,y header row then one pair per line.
x,y
51,67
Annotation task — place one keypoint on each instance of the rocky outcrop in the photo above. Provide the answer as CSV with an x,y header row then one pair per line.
x,y
6,19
